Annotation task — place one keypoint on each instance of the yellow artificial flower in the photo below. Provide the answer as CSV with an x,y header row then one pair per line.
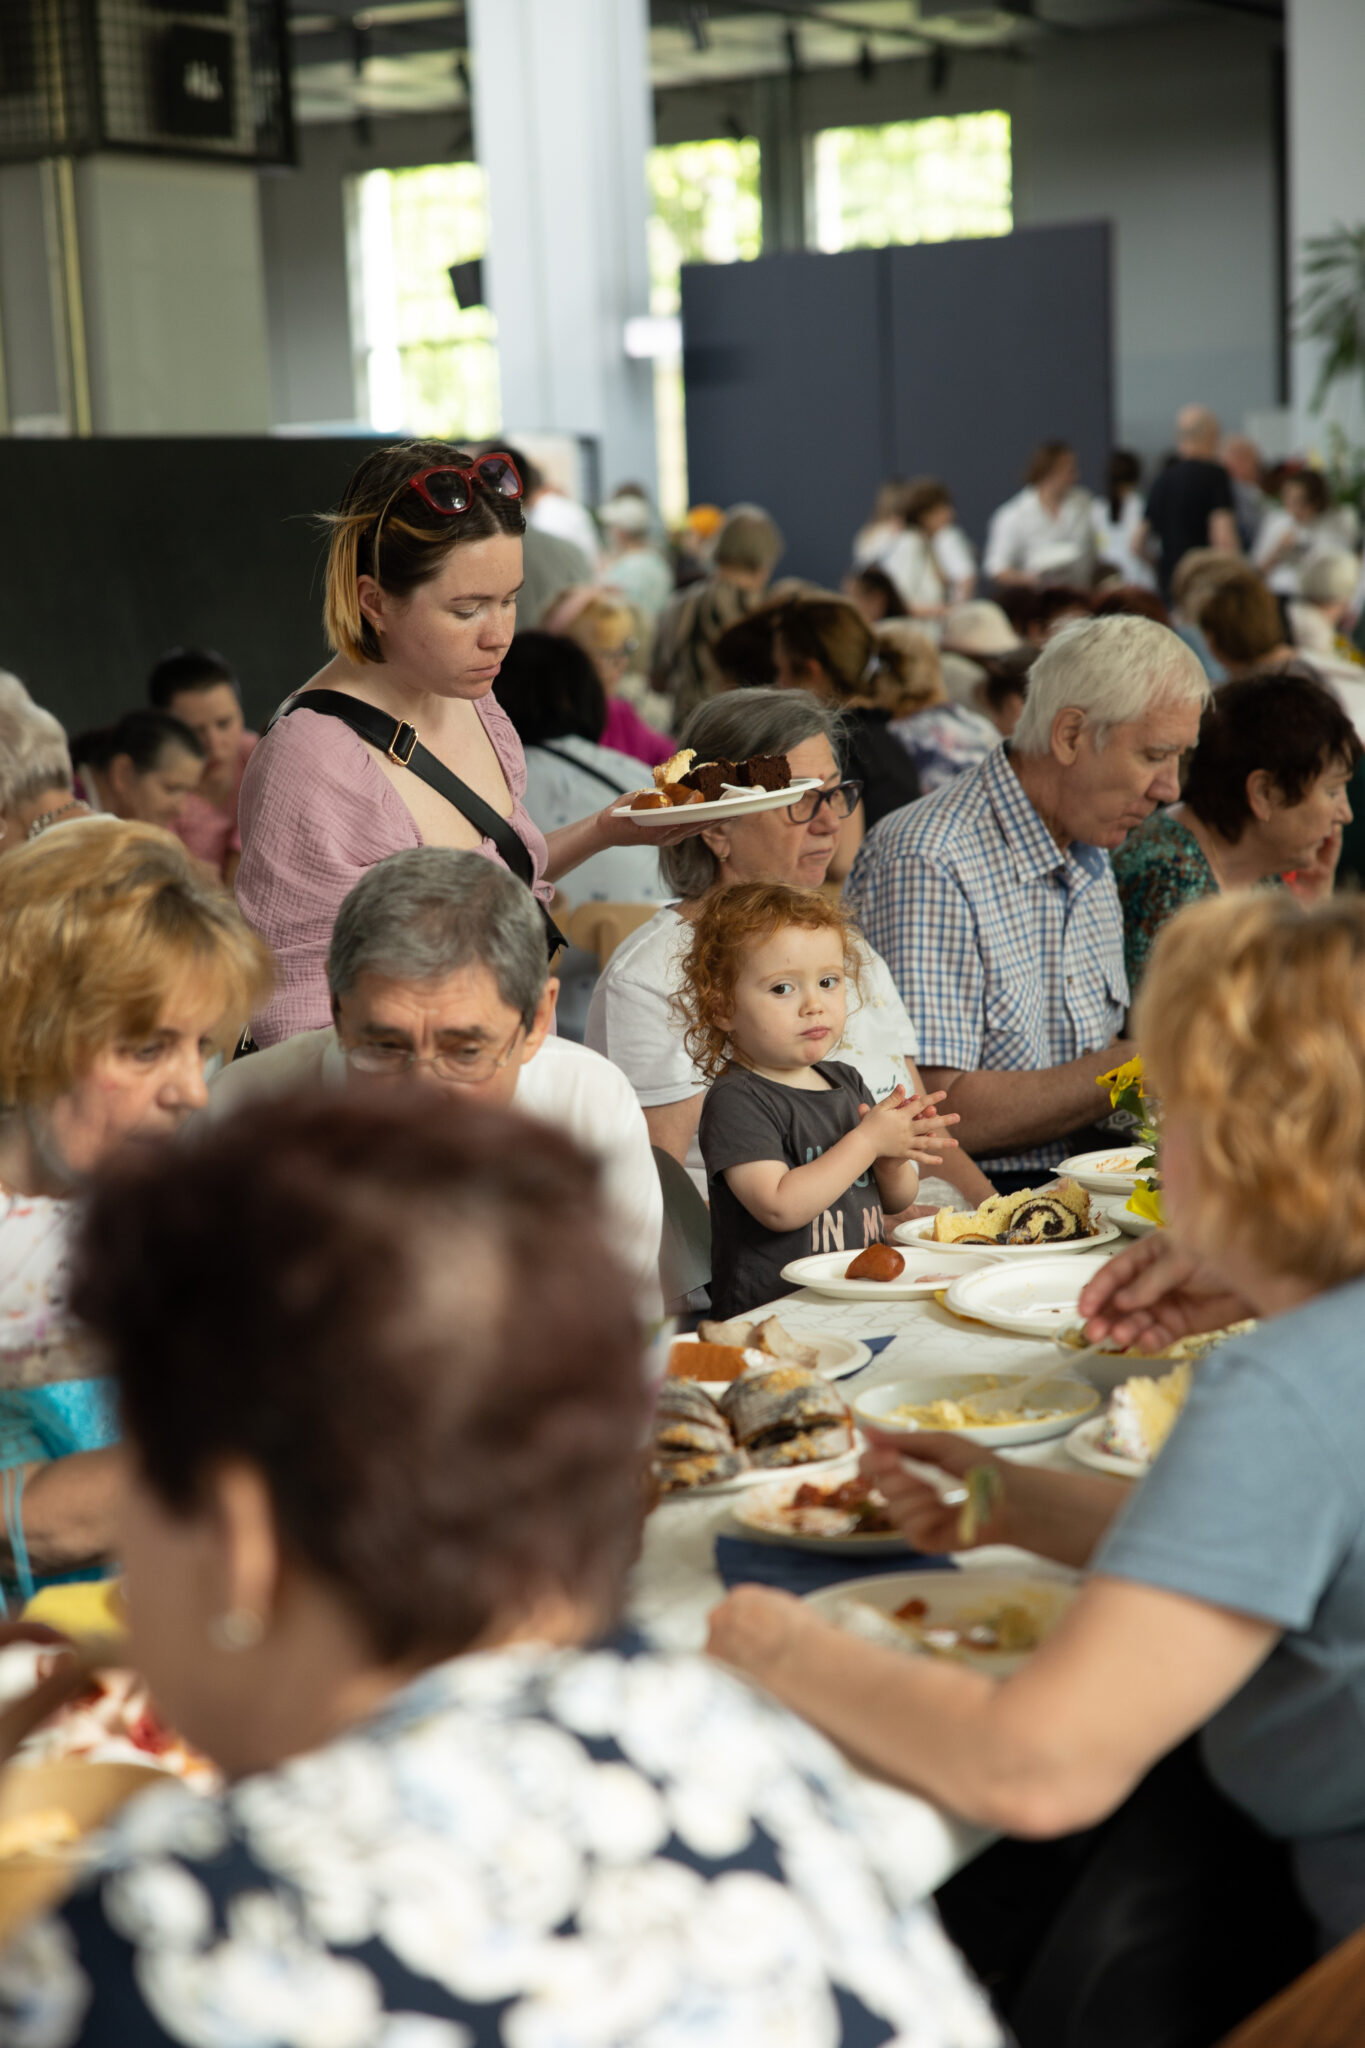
x,y
1129,1075
1145,1200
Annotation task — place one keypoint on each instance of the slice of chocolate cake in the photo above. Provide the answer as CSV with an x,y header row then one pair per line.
x,y
710,777
764,771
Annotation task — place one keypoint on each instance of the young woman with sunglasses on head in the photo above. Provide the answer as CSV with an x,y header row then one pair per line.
x,y
421,605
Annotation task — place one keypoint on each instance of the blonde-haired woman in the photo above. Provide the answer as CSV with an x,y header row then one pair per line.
x,y
399,741
124,973
1226,1593
606,628
824,644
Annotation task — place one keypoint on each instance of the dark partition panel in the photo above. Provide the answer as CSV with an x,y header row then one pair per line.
x,y
811,378
995,346
113,550
783,364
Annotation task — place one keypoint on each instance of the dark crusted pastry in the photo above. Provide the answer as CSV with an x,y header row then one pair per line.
x,y
778,1447
678,1475
710,777
764,771
789,1399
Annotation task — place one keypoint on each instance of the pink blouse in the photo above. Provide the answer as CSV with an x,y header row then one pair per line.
x,y
316,811
212,834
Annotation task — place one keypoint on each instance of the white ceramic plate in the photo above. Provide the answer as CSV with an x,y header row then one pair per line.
x,y
1127,1220
952,1598
741,805
1029,1297
836,1357
760,1514
916,1233
1113,1172
925,1273
742,1481
1084,1446
1072,1397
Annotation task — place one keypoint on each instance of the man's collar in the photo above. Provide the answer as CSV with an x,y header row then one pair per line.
x,y
1035,850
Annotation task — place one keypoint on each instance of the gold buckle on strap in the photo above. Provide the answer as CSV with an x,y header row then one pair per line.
x,y
399,730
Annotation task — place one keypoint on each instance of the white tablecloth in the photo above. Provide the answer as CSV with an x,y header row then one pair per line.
x,y
675,1584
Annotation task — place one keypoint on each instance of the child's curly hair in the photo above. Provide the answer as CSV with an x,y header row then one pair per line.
x,y
732,923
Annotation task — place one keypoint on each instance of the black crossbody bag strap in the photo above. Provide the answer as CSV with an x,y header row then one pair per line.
x,y
399,742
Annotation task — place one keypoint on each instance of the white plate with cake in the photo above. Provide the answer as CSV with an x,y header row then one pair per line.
x,y
1139,1416
1060,1217
1029,1298
922,1272
716,789
747,1344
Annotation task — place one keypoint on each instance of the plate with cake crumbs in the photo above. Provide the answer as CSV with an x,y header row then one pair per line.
x,y
716,789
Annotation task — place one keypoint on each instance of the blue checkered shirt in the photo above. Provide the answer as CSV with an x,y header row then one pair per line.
x,y
1008,953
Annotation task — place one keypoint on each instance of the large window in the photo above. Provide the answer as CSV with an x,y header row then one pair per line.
x,y
704,208
424,364
939,180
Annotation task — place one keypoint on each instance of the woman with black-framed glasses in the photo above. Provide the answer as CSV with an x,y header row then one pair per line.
x,y
631,1019
399,741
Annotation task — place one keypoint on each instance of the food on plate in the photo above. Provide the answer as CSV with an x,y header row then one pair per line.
x,y
114,1722
86,1607
1142,1413
1120,1162
1059,1214
878,1262
710,778
38,1834
964,1412
686,1420
1007,1626
769,1337
1190,1347
766,1419
851,1509
788,1416
648,800
764,771
701,1361
686,1474
693,1445
674,768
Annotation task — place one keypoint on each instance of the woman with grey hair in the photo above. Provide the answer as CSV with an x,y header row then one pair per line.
x,y
35,768
631,1018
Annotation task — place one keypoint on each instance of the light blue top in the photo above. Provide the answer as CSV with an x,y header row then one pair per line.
x,y
1257,1504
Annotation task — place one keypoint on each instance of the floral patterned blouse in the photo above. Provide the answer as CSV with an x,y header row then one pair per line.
x,y
1159,869
526,1849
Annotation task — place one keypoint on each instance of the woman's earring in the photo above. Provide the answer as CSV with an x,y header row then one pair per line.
x,y
238,1629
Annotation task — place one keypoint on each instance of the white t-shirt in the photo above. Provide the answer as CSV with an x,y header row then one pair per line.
x,y
559,791
1025,536
564,517
1114,538
913,568
565,1085
631,1021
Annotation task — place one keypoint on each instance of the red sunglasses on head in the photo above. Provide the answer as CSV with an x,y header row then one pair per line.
x,y
449,490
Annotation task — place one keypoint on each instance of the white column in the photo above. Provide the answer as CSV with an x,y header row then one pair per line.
x,y
563,119
1325,52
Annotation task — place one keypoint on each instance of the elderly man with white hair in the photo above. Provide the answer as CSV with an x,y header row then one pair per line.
x,y
994,904
437,972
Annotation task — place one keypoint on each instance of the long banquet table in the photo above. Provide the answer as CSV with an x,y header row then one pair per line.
x,y
675,1584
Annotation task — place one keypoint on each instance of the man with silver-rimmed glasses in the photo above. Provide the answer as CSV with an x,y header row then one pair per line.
x,y
438,974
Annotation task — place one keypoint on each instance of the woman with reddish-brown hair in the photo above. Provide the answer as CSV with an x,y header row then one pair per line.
x,y
382,1501
399,741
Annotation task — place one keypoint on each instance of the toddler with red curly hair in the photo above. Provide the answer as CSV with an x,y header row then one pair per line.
x,y
799,1158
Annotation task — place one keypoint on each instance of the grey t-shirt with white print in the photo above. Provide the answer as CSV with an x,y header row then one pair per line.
x,y
747,1117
